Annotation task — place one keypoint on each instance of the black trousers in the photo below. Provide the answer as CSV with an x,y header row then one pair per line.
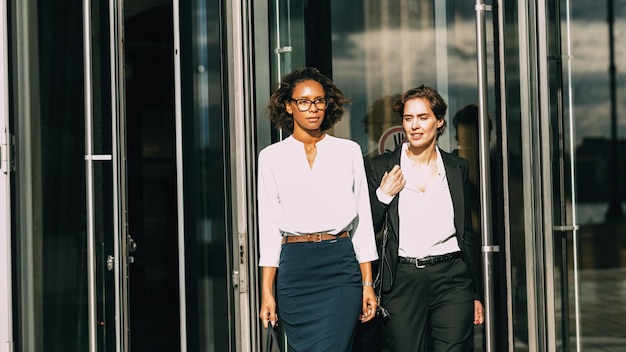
x,y
432,308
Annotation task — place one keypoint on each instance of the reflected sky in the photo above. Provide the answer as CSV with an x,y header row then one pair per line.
x,y
390,57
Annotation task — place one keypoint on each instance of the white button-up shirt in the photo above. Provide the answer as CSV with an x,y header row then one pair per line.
x,y
331,197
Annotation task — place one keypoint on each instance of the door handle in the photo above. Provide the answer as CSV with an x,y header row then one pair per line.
x,y
565,228
132,245
110,262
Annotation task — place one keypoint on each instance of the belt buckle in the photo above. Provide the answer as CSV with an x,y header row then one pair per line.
x,y
319,237
426,260
417,264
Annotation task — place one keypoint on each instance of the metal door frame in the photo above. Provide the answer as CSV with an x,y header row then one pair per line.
x,y
6,321
179,179
241,143
119,256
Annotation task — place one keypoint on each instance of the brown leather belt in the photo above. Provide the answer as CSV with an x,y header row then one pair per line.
x,y
318,237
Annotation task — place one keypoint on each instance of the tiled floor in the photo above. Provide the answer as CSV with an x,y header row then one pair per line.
x,y
602,313
603,310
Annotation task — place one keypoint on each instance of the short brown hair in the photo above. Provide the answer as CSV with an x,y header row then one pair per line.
x,y
437,104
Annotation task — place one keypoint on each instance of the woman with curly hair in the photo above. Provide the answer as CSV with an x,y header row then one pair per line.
x,y
315,226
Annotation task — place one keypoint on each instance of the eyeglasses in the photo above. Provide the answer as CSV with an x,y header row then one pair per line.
x,y
305,104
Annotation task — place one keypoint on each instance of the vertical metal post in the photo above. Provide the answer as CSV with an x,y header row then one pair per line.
x,y
485,189
615,208
442,62
91,249
574,227
239,55
179,180
118,139
282,50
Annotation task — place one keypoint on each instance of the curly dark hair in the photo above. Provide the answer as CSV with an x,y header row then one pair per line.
x,y
437,104
278,113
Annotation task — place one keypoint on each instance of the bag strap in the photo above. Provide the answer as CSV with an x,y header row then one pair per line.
x,y
272,339
381,266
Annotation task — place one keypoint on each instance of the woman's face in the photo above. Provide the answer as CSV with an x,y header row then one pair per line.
x,y
307,93
420,124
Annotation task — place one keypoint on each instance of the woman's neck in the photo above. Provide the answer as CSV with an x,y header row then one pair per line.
x,y
308,137
309,142
422,157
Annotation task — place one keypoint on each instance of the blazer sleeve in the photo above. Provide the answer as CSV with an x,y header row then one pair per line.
x,y
471,240
375,169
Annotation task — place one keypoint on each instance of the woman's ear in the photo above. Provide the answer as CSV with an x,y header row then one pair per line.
x,y
288,107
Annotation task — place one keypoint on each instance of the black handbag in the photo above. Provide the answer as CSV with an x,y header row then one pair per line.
x,y
272,344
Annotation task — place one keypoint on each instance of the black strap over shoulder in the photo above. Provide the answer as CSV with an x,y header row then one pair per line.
x,y
378,282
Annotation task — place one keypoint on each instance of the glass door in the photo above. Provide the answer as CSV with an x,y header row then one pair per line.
x,y
92,164
564,205
136,274
48,217
587,180
376,50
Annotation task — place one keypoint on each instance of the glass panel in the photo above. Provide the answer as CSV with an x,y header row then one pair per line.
x,y
562,197
151,159
287,35
60,271
369,65
51,275
584,139
103,204
598,103
105,283
379,51
205,169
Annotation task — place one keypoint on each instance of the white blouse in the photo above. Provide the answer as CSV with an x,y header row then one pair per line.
x,y
426,218
331,197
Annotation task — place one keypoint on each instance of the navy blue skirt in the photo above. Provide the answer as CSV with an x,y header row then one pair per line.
x,y
319,295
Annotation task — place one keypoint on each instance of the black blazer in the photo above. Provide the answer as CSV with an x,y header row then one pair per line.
x,y
458,182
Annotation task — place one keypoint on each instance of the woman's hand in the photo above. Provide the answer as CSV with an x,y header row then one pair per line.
x,y
393,181
370,304
268,303
479,313
268,311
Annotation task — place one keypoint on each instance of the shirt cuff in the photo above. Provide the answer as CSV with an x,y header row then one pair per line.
x,y
383,197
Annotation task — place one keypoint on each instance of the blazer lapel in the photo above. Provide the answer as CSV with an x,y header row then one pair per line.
x,y
455,183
